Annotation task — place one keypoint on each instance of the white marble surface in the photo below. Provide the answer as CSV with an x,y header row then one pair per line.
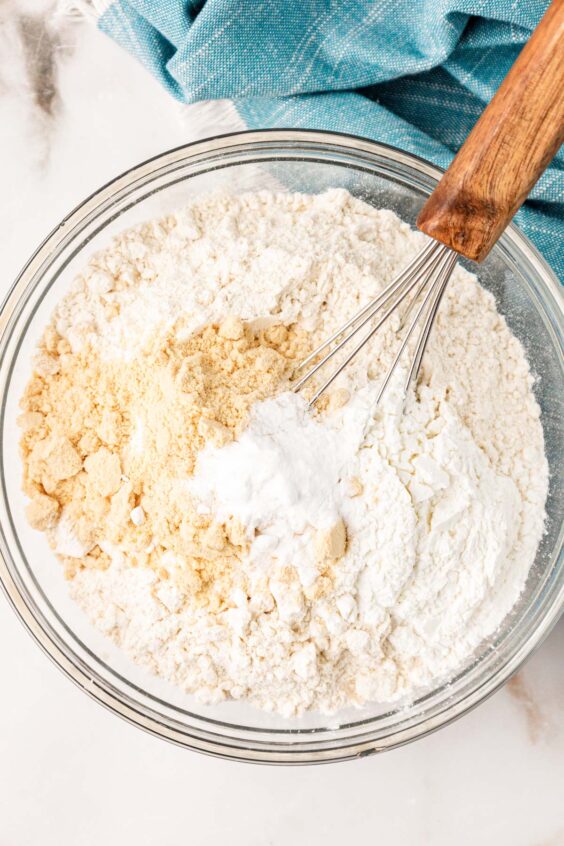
x,y
75,111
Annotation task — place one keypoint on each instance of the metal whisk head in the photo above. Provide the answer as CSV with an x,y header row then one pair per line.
x,y
426,277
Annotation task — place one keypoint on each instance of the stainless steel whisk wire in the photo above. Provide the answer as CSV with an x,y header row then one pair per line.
x,y
430,269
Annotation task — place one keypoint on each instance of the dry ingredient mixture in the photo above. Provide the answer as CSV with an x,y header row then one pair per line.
x,y
232,541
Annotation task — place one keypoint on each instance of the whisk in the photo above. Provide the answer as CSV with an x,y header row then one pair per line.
x,y
508,149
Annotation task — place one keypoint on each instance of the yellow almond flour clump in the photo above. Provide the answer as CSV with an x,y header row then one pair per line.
x,y
108,444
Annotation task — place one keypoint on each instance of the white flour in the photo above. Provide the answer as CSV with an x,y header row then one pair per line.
x,y
443,505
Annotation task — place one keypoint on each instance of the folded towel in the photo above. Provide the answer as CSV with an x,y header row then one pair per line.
x,y
412,73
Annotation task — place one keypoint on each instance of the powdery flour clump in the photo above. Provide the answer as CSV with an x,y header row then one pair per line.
x,y
227,538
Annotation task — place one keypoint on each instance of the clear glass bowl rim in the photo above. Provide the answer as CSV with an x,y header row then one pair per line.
x,y
223,739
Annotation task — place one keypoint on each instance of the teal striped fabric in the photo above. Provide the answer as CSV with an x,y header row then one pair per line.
x,y
412,73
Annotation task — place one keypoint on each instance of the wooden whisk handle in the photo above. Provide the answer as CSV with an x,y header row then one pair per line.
x,y
508,149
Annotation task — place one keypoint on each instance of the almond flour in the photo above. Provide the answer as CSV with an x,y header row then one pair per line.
x,y
226,538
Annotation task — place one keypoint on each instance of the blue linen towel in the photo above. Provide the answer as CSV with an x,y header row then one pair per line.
x,y
412,73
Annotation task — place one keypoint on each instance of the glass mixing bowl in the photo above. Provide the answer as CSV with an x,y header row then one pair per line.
x,y
527,294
